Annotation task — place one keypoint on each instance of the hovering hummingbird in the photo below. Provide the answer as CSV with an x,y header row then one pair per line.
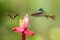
x,y
13,16
41,13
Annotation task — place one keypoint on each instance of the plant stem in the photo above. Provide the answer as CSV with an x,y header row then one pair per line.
x,y
23,35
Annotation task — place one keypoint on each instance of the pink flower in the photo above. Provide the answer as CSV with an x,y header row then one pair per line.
x,y
23,26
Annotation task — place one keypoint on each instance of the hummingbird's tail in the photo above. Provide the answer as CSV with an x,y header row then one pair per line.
x,y
47,16
52,16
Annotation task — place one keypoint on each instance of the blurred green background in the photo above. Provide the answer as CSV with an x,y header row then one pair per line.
x,y
45,29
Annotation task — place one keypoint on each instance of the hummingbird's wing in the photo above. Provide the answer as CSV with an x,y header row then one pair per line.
x,y
11,16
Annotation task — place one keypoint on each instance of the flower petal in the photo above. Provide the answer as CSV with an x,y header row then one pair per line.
x,y
27,20
18,29
29,32
22,23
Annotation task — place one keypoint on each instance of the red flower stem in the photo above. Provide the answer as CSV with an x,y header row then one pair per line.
x,y
23,35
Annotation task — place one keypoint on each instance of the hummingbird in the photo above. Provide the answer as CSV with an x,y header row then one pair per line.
x,y
13,16
41,12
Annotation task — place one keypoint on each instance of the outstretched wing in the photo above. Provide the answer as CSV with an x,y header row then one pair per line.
x,y
11,16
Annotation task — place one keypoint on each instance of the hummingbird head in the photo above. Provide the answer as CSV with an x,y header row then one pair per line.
x,y
42,10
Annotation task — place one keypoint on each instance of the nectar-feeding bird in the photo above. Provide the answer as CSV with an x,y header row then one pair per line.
x,y
41,13
12,16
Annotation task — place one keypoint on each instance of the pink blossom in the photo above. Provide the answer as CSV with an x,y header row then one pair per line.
x,y
23,27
